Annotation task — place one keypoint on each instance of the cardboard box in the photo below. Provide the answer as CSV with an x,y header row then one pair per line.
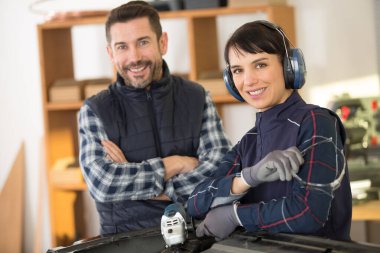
x,y
94,86
93,89
202,4
241,3
66,90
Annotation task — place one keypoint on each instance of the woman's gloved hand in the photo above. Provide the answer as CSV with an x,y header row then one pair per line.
x,y
277,165
219,222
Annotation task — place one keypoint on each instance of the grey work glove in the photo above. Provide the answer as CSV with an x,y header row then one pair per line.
x,y
219,222
278,164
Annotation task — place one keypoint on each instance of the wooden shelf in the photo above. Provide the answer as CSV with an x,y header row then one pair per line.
x,y
63,106
366,211
223,99
70,186
218,92
66,175
60,119
218,99
191,14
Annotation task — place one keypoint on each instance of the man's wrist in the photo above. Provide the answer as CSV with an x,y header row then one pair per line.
x,y
171,167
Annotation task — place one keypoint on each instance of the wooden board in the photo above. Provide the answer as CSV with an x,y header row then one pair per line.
x,y
12,207
366,211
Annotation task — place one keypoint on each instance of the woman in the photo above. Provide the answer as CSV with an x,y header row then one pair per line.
x,y
288,172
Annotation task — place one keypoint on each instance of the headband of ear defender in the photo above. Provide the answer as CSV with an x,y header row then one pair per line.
x,y
294,67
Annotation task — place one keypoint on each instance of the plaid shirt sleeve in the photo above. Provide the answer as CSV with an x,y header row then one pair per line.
x,y
108,181
213,146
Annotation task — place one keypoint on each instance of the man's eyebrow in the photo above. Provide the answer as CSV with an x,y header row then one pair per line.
x,y
138,39
119,43
143,38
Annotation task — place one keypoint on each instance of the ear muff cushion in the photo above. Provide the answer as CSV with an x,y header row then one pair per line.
x,y
288,72
230,85
299,68
294,69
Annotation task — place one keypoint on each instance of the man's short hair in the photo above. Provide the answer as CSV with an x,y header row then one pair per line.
x,y
133,10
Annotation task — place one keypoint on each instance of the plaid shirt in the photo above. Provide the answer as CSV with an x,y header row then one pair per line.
x,y
108,181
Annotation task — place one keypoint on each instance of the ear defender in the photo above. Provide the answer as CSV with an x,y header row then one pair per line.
x,y
294,69
230,85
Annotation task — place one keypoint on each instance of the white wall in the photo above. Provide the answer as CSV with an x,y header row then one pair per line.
x,y
339,43
337,38
20,108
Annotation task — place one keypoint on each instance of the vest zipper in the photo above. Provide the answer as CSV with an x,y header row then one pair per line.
x,y
154,124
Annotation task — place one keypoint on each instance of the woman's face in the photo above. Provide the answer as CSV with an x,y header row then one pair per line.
x,y
259,78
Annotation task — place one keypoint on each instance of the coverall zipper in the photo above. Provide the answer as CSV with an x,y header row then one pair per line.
x,y
154,124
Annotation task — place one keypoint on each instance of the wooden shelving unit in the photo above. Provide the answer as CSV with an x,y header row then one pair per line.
x,y
56,62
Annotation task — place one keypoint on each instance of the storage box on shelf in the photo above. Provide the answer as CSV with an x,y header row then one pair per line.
x,y
66,90
60,119
240,3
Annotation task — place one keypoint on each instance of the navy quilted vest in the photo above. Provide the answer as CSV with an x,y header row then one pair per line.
x,y
164,121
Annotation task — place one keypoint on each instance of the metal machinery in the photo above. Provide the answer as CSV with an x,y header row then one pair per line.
x,y
361,118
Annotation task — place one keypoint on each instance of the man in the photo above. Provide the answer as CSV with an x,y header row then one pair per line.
x,y
151,137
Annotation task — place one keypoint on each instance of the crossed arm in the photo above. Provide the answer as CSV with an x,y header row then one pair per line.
x,y
173,165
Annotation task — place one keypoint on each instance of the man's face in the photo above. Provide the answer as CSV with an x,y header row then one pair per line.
x,y
136,52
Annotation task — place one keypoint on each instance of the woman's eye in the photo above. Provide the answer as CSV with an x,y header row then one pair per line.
x,y
236,71
261,65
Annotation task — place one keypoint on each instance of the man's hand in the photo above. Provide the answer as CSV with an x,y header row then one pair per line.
x,y
278,164
162,197
176,164
114,153
219,223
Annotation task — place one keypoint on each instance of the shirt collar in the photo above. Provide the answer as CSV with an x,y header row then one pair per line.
x,y
270,118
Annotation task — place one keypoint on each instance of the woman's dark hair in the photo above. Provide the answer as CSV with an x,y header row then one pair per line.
x,y
258,37
133,10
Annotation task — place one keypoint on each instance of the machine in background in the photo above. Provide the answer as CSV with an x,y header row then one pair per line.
x,y
361,119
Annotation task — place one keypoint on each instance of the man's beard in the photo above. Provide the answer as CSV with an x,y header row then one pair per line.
x,y
139,82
